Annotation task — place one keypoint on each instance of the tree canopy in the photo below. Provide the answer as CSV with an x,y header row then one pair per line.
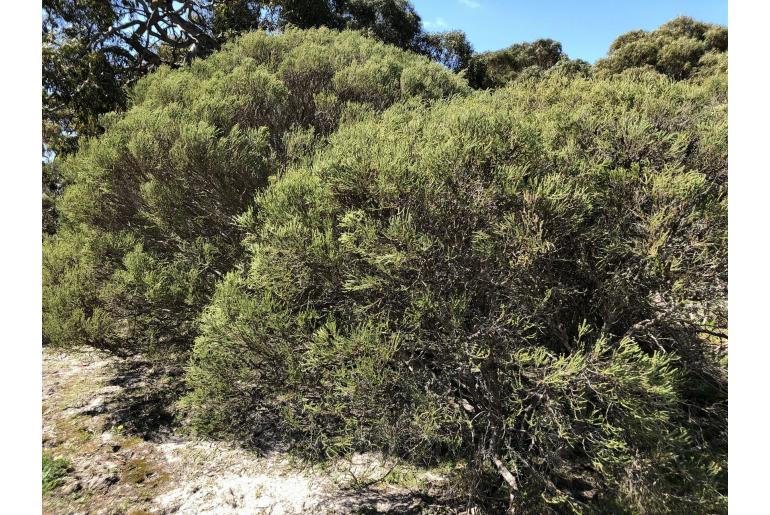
x,y
497,68
679,49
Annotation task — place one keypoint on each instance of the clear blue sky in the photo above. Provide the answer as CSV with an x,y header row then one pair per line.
x,y
585,28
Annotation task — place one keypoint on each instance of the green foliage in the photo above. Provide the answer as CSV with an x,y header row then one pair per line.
x,y
497,68
94,49
54,471
514,277
76,262
368,255
676,49
233,17
158,192
79,85
391,21
451,48
51,189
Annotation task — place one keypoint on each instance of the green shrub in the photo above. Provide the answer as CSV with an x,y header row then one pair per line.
x,y
76,261
674,49
497,68
527,282
147,212
516,279
54,471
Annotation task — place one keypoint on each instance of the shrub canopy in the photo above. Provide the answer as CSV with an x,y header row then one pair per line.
x,y
147,217
357,252
680,49
515,277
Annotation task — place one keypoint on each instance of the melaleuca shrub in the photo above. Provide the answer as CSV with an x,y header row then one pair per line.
x,y
75,262
527,281
522,61
676,48
172,172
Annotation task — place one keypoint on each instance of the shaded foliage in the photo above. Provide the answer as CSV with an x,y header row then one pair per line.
x,y
497,68
451,48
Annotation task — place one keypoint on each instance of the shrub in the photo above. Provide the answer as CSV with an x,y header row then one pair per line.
x,y
497,68
529,282
76,261
524,280
674,49
147,212
54,471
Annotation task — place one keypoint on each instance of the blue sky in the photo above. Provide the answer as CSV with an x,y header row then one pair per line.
x,y
585,28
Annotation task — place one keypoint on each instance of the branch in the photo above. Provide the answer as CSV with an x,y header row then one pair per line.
x,y
507,475
510,479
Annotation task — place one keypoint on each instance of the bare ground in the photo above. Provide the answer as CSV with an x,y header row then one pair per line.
x,y
126,455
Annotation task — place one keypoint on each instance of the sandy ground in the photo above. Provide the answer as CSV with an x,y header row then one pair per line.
x,y
126,456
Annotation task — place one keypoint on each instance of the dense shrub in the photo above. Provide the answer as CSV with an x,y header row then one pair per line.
x,y
524,281
147,213
528,282
497,68
679,48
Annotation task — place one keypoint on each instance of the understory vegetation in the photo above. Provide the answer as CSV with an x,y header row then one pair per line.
x,y
54,470
517,264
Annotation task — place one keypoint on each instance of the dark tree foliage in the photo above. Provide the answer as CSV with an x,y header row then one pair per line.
x,y
680,49
497,68
452,49
309,13
391,21
233,17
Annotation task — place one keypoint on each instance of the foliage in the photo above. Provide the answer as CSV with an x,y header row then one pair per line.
x,y
54,470
147,212
679,49
79,85
391,21
497,68
451,48
93,49
368,255
51,191
523,280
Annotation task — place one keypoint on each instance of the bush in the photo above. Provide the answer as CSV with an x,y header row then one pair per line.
x,y
147,212
524,281
54,471
528,282
674,49
497,68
